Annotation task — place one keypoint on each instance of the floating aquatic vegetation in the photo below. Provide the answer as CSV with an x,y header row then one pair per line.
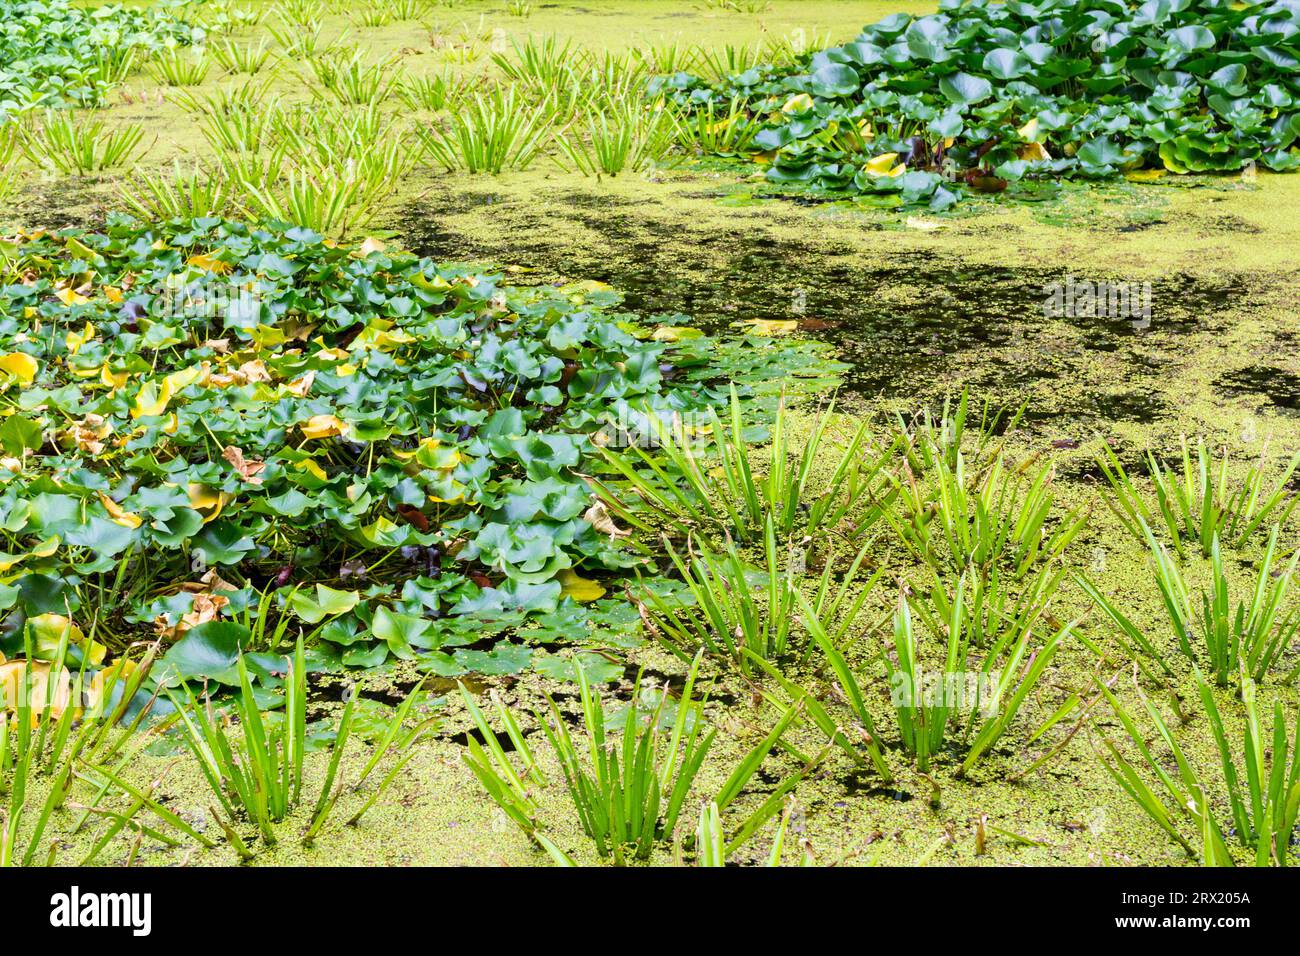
x,y
203,411
54,54
981,95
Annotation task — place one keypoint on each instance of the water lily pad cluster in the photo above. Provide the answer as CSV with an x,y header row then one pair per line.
x,y
54,55
207,425
982,94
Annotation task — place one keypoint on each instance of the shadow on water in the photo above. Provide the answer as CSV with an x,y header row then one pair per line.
x,y
925,322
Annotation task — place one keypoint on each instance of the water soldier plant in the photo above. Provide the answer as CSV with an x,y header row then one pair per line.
x,y
627,792
1249,638
1263,789
257,777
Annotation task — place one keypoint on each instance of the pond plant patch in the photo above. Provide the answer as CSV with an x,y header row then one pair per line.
x,y
54,54
981,95
206,421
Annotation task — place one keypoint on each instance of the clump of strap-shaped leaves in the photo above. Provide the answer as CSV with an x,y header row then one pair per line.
x,y
205,417
628,779
980,95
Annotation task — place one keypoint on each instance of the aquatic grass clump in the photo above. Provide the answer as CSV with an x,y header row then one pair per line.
x,y
349,80
256,775
57,730
993,514
962,696
715,130
627,784
329,168
1193,504
1262,790
698,479
1250,637
180,67
624,137
435,92
737,612
245,58
491,132
178,193
79,146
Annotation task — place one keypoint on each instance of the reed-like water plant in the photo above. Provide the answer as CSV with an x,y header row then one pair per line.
x,y
444,90
491,132
622,137
1248,637
628,781
737,612
1261,788
177,192
698,479
180,67
1197,502
57,727
256,774
349,79
246,58
996,514
79,146
963,697
714,131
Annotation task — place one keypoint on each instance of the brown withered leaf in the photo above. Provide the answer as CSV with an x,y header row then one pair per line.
x,y
599,518
250,469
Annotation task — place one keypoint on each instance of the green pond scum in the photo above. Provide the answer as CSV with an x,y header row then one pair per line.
x,y
649,433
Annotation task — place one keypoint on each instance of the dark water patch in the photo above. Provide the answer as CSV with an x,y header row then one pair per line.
x,y
502,737
915,326
1280,387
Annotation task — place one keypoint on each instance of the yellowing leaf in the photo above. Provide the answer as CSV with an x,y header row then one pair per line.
x,y
116,513
111,379
770,326
20,366
70,297
1029,130
205,500
42,550
76,340
799,103
152,399
1033,152
322,426
886,164
582,590
208,263
32,679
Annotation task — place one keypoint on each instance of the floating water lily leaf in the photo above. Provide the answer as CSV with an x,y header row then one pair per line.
x,y
582,590
596,667
207,652
18,367
328,602
401,632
